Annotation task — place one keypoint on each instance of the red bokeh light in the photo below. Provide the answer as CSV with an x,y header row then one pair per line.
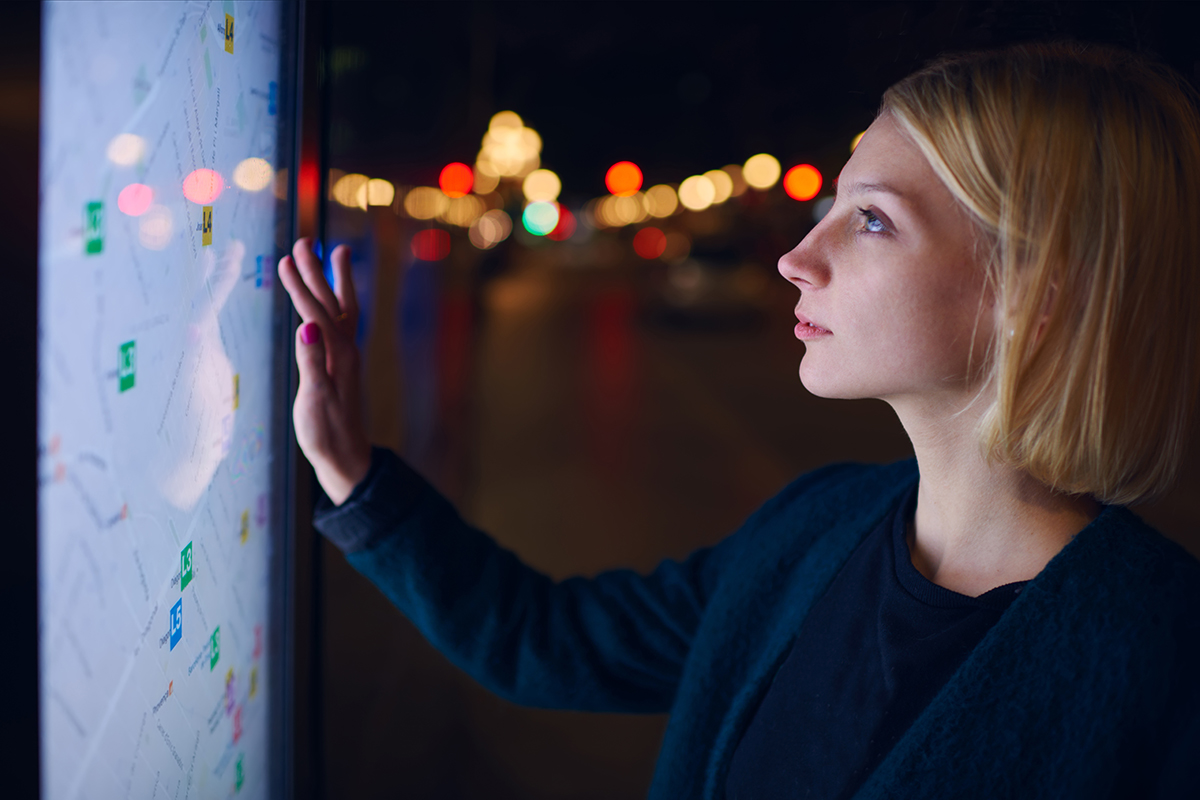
x,y
623,178
649,242
456,179
431,245
135,199
203,186
565,227
802,182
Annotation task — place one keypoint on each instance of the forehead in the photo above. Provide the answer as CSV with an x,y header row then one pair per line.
x,y
887,157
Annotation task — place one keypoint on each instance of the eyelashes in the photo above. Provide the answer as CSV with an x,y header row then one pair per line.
x,y
871,223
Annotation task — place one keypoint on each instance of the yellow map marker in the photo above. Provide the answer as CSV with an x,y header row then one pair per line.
x,y
228,33
206,227
245,525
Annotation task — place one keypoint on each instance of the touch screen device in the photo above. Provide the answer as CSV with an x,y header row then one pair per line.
x,y
166,142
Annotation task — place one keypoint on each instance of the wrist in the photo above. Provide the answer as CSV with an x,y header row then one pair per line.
x,y
339,480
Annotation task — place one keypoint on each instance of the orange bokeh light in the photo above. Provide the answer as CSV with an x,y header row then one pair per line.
x,y
649,242
456,179
623,178
203,186
802,182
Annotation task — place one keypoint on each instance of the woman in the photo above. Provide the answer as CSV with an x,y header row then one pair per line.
x,y
1008,264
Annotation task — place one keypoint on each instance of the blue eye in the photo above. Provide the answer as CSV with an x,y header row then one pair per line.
x,y
871,223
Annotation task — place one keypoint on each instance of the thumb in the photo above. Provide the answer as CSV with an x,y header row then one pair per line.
x,y
310,358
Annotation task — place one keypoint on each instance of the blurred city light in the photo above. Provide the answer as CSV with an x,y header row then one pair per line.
x,y
649,242
510,150
135,199
155,228
722,183
506,119
490,229
623,178
540,218
565,227
616,211
456,179
541,186
735,174
253,174
484,182
203,186
676,246
432,244
821,208
697,193
351,190
761,171
380,192
425,202
802,182
126,149
854,142
463,211
661,201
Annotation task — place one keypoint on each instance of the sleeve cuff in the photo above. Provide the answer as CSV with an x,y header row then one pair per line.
x,y
376,507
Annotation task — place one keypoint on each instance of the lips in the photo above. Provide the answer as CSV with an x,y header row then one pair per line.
x,y
806,322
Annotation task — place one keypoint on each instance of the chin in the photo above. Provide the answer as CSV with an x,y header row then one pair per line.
x,y
832,384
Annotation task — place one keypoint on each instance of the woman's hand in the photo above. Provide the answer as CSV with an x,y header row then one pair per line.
x,y
328,410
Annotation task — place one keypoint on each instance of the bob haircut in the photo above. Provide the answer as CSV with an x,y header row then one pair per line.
x,y
1081,169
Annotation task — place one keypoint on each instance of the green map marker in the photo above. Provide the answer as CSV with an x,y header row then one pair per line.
x,y
241,774
215,648
93,228
186,569
127,366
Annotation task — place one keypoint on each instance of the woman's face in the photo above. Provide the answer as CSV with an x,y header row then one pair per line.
x,y
891,282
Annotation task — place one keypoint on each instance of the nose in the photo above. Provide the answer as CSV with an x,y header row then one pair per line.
x,y
807,264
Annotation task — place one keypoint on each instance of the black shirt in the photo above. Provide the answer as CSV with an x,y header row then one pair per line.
x,y
871,654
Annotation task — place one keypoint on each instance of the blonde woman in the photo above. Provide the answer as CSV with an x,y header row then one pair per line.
x,y
1012,264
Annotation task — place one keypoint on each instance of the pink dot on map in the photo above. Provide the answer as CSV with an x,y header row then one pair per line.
x,y
203,186
135,199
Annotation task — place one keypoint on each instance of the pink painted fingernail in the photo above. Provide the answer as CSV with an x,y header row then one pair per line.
x,y
310,333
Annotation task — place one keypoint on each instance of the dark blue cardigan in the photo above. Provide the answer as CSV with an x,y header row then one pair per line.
x,y
1088,686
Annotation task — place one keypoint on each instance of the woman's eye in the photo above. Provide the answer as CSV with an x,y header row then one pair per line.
x,y
871,223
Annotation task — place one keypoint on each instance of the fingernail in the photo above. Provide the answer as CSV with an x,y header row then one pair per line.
x,y
310,333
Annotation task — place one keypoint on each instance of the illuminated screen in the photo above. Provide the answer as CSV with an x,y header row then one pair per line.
x,y
163,205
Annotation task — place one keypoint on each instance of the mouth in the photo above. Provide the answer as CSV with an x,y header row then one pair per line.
x,y
809,328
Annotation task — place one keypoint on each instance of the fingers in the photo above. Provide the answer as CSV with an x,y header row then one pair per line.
x,y
310,359
309,308
343,278
311,270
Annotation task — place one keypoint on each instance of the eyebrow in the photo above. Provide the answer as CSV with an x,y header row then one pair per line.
x,y
863,188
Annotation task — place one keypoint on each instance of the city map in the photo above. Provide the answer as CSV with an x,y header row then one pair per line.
x,y
160,201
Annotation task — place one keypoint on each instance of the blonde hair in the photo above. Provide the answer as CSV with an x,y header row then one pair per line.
x,y
1081,168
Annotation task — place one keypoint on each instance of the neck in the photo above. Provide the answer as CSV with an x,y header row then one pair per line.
x,y
980,525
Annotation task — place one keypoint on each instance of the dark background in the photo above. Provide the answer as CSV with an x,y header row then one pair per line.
x,y
551,390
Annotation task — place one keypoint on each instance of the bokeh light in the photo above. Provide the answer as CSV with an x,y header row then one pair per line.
x,y
541,186
854,142
649,242
565,228
380,192
677,246
155,228
734,172
623,178
490,229
126,149
722,183
456,179
253,174
510,150
761,171
432,244
616,212
462,211
135,199
697,193
425,202
540,218
484,183
802,182
351,190
661,201
203,186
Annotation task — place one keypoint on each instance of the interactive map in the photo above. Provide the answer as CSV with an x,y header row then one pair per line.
x,y
160,203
